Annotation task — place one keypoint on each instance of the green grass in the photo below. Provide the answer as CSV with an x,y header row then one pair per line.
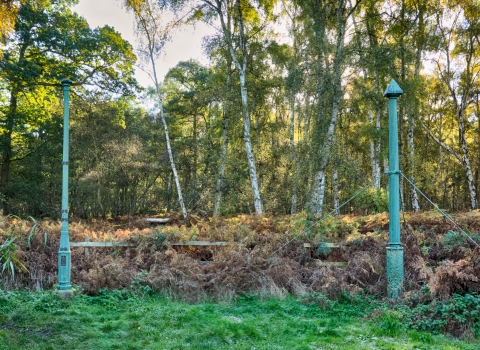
x,y
123,320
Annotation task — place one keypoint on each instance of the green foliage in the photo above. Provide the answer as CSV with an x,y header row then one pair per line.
x,y
10,262
322,249
122,319
389,323
421,337
311,229
453,238
372,201
458,315
159,239
291,91
113,298
32,231
49,43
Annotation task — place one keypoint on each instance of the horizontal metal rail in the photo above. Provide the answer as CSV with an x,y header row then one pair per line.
x,y
101,244
326,244
157,220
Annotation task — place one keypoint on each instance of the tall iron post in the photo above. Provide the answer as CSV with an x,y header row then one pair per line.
x,y
395,274
64,259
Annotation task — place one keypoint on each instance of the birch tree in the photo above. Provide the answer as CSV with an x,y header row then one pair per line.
x,y
153,30
411,33
369,40
224,142
293,87
331,68
458,68
231,14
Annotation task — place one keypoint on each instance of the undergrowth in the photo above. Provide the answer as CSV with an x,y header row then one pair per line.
x,y
441,266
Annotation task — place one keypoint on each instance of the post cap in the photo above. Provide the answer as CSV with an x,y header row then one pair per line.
x,y
393,90
66,82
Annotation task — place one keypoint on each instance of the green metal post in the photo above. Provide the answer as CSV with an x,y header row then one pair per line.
x,y
64,264
395,274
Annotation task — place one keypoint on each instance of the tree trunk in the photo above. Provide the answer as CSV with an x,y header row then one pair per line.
x,y
466,162
318,192
226,24
221,168
296,165
375,142
167,141
293,90
8,151
336,199
169,191
375,150
223,153
420,45
411,155
248,145
155,37
195,156
242,69
7,138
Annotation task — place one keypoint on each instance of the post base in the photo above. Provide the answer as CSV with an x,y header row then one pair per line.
x,y
395,274
65,294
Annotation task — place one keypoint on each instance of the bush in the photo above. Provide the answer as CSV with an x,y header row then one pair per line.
x,y
372,201
458,316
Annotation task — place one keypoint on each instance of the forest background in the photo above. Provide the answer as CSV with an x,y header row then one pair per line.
x,y
271,125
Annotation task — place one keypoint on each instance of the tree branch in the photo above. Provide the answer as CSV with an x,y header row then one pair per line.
x,y
437,140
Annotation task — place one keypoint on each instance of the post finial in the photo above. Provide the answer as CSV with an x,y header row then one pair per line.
x,y
393,90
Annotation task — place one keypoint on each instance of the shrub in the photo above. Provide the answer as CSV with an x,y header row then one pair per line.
x,y
372,201
458,316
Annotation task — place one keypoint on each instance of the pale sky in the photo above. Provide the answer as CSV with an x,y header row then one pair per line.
x,y
187,43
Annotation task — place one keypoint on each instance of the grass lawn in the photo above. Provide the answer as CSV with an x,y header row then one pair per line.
x,y
123,320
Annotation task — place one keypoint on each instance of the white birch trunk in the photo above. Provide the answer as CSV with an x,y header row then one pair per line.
x,y
336,198
413,111
248,144
374,143
167,140
293,208
153,38
242,68
386,168
318,192
411,155
460,109
466,162
170,153
223,153
374,152
221,168
225,17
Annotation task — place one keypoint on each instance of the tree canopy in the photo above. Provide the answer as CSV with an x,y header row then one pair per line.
x,y
289,114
